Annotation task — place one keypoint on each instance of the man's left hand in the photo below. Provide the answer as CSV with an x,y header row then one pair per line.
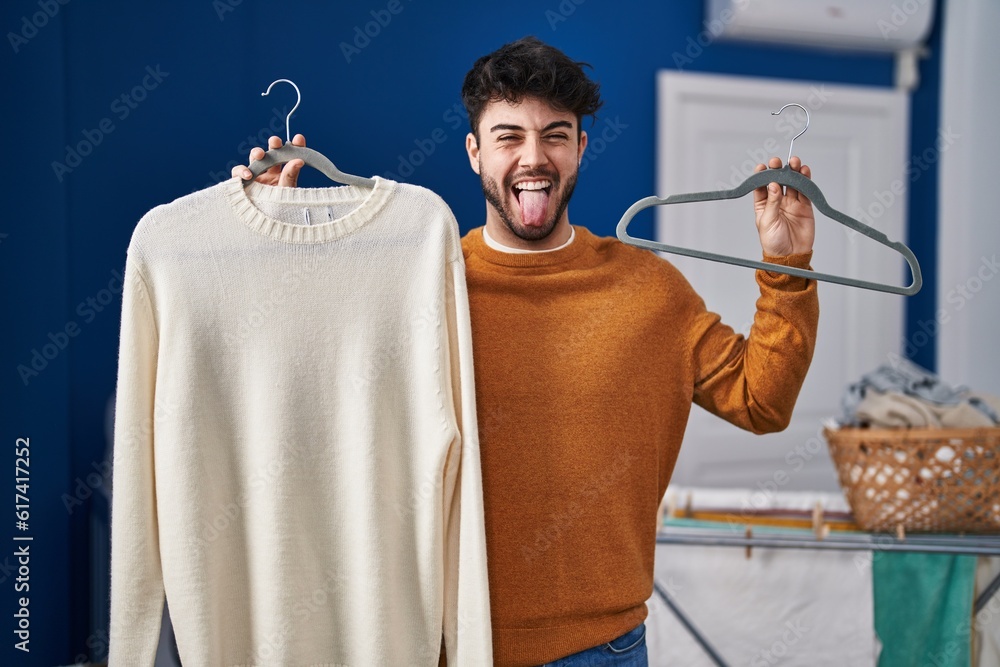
x,y
785,222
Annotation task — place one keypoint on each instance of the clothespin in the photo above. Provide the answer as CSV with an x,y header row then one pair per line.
x,y
671,506
820,528
900,533
688,513
749,535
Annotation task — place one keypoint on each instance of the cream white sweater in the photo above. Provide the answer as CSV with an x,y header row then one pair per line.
x,y
296,459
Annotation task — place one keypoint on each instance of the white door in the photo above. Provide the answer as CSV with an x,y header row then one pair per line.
x,y
713,130
968,299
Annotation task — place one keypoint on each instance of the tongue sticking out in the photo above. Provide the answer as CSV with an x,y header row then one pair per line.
x,y
534,204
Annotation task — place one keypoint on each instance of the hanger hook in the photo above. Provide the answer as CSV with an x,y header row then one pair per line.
x,y
288,132
792,142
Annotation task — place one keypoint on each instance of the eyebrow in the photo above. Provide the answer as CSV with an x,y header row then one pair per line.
x,y
550,126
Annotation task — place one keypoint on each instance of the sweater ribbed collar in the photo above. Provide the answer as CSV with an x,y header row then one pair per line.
x,y
477,246
370,201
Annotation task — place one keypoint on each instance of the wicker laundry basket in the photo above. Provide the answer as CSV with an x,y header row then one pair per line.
x,y
924,480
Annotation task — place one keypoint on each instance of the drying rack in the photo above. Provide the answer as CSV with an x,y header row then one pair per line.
x,y
973,545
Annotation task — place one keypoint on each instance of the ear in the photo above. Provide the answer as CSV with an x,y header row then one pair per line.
x,y
582,147
472,148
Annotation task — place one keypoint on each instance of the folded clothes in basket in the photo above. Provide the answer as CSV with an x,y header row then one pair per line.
x,y
894,409
904,394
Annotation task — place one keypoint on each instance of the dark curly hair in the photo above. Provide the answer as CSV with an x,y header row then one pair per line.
x,y
529,68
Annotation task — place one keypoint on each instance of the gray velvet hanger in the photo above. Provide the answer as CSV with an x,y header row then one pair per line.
x,y
786,177
289,152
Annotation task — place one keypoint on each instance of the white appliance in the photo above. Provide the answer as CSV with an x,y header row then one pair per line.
x,y
846,25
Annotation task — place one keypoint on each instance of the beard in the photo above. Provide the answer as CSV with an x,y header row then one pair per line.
x,y
509,217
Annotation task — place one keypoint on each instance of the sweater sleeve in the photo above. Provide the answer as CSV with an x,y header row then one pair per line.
x,y
467,632
137,593
753,382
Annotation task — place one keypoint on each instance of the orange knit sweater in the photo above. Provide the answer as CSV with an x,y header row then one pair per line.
x,y
587,360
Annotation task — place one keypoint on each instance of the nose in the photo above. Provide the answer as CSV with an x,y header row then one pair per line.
x,y
532,152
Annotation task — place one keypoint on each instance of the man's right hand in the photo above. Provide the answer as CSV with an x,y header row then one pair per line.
x,y
286,175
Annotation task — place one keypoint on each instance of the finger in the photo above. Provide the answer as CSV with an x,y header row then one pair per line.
x,y
759,194
290,173
775,163
794,163
770,213
242,171
274,142
807,172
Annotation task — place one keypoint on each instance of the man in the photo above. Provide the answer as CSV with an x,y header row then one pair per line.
x,y
588,355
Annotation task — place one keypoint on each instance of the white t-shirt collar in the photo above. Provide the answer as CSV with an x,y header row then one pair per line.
x,y
496,245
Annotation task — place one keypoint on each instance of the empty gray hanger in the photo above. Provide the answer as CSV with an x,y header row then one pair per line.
x,y
787,177
289,152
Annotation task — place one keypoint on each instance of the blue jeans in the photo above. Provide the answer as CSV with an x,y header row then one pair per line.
x,y
629,650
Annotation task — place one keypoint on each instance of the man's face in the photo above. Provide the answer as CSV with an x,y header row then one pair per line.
x,y
527,158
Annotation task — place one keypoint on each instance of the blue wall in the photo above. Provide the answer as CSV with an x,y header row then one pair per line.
x,y
165,96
